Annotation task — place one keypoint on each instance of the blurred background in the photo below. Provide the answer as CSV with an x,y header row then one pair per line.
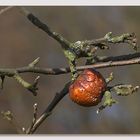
x,y
21,43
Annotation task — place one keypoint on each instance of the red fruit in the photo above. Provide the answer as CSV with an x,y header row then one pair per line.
x,y
88,88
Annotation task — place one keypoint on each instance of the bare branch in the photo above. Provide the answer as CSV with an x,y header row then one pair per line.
x,y
31,87
34,20
5,9
117,58
79,49
34,119
14,73
106,62
72,52
50,107
34,63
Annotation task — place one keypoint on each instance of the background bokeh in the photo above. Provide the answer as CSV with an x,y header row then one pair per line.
x,y
21,43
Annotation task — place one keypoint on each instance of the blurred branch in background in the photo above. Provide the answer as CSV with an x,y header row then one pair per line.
x,y
5,9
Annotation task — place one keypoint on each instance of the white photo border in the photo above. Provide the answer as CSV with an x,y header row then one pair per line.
x,y
70,2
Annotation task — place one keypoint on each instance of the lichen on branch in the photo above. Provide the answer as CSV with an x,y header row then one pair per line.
x,y
78,49
74,51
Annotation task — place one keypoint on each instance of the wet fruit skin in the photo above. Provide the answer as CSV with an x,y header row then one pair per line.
x,y
88,88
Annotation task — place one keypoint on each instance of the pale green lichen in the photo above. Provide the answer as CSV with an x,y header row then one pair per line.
x,y
124,90
108,101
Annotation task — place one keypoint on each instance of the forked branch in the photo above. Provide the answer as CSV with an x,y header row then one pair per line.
x,y
73,51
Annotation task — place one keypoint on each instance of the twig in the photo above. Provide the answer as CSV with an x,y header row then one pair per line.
x,y
34,119
79,49
122,61
14,74
49,109
110,78
124,38
34,63
5,9
31,87
101,42
72,51
117,58
44,27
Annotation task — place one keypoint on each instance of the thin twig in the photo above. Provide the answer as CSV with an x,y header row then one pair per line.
x,y
31,87
117,58
50,107
124,60
14,74
79,49
5,9
124,38
34,20
73,49
34,119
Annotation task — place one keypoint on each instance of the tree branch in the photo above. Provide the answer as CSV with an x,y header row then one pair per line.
x,y
60,95
79,49
124,38
117,58
72,51
44,27
49,109
5,9
14,74
103,63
